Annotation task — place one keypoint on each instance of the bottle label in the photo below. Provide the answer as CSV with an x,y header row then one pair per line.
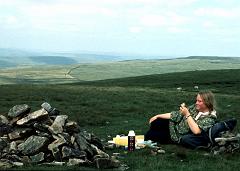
x,y
131,143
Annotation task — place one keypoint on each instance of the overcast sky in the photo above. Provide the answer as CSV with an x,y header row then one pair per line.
x,y
154,27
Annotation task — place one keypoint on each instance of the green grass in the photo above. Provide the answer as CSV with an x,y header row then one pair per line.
x,y
112,107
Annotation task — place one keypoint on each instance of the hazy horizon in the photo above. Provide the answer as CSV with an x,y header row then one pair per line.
x,y
116,56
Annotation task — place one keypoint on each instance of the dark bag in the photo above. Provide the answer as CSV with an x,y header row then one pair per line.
x,y
223,126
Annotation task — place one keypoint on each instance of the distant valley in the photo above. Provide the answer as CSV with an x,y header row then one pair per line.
x,y
14,58
20,67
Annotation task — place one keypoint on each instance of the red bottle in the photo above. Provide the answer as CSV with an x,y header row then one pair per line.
x,y
131,140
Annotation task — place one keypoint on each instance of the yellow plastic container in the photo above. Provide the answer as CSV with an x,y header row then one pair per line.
x,y
123,140
141,137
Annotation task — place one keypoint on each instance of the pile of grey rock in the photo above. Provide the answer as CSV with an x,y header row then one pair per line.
x,y
227,142
47,137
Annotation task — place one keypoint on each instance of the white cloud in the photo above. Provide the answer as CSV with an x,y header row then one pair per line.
x,y
153,20
218,12
208,24
158,20
125,3
57,14
225,32
10,22
135,29
64,17
178,19
67,10
178,30
165,3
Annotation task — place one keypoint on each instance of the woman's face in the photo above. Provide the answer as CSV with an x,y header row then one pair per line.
x,y
200,105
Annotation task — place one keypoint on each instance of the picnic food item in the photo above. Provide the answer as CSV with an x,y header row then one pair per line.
x,y
183,105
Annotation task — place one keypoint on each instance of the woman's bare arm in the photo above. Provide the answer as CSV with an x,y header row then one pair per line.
x,y
162,116
190,121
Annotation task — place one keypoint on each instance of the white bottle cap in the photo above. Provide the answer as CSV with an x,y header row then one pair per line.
x,y
131,133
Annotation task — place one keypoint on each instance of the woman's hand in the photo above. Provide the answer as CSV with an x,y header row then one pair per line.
x,y
184,110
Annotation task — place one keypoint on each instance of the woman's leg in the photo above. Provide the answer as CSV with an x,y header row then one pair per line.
x,y
159,131
195,141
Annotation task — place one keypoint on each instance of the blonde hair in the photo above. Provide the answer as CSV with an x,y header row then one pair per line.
x,y
209,99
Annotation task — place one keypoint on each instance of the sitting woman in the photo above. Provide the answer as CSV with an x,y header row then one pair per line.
x,y
188,126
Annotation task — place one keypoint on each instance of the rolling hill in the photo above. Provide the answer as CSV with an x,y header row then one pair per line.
x,y
15,58
17,66
81,72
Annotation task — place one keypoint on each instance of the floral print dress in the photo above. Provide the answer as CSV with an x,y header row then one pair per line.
x,y
178,125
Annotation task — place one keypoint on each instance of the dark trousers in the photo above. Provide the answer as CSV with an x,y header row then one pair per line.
x,y
227,125
194,141
159,131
